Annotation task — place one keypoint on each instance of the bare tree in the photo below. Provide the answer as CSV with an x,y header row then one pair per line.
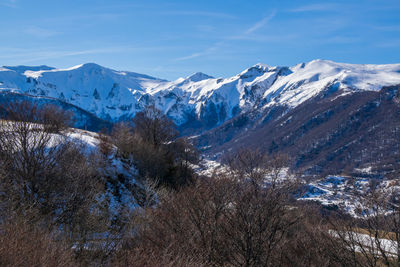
x,y
24,244
221,221
46,176
373,236
124,139
51,117
248,164
154,127
152,146
256,166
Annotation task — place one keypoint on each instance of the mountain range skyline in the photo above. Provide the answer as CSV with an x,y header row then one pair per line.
x,y
114,95
48,67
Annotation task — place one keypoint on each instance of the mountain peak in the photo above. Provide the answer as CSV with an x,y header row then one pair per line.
x,y
255,70
88,66
199,76
91,65
323,61
261,66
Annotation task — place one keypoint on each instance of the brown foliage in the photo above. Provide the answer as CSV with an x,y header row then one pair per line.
x,y
235,219
24,244
52,118
45,176
225,222
154,127
373,237
257,166
152,146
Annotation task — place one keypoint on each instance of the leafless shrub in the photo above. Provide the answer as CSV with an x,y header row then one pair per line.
x,y
256,166
46,177
52,118
373,236
154,127
23,244
105,144
219,221
150,143
123,138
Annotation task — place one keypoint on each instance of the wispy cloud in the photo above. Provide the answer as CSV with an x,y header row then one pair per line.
x,y
389,44
9,3
198,13
260,23
265,38
27,55
205,52
247,34
40,32
205,28
336,40
391,28
315,7
86,18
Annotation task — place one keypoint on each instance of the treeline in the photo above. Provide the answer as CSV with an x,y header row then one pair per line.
x,y
62,204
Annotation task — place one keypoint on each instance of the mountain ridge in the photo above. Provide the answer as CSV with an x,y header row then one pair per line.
x,y
116,95
310,111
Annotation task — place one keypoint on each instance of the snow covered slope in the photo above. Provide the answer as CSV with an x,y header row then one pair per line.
x,y
115,95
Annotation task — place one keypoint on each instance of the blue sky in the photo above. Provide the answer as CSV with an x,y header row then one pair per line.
x,y
171,39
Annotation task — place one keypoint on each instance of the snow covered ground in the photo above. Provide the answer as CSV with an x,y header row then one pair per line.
x,y
112,166
346,193
340,192
336,191
369,244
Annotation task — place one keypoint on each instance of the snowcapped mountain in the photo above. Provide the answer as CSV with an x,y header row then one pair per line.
x,y
322,113
115,95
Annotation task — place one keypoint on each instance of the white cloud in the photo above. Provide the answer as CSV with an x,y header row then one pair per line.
x,y
198,13
9,3
260,23
205,28
389,44
204,52
315,7
40,32
391,28
245,35
249,33
28,55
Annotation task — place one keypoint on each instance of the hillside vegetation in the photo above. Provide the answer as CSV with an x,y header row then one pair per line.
x,y
131,197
